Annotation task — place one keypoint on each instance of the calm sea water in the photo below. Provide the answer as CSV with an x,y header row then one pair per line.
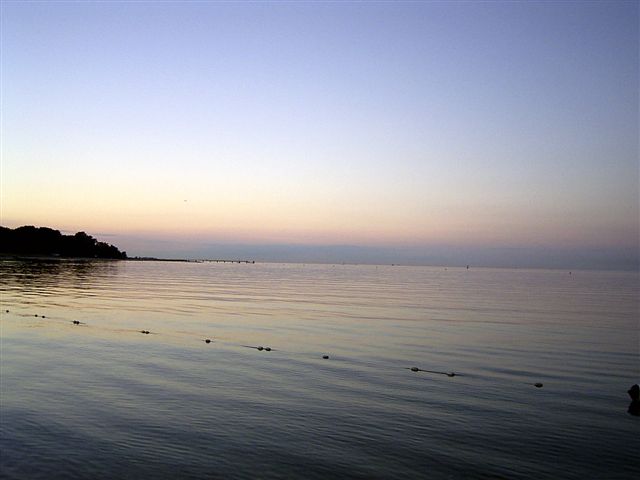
x,y
102,400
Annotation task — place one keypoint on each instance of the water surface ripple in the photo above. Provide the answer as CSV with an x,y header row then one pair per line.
x,y
100,400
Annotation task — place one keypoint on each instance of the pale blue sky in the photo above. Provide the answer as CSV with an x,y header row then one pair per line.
x,y
379,124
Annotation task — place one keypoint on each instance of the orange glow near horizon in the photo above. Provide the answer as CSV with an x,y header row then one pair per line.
x,y
242,224
301,209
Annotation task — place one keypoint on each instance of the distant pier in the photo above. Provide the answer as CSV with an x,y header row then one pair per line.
x,y
217,260
230,261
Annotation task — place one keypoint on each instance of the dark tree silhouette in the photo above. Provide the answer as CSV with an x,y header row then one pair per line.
x,y
30,240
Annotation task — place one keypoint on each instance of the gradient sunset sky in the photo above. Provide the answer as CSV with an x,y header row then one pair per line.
x,y
170,128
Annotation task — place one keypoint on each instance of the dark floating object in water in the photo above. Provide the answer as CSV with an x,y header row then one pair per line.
x,y
259,347
448,374
634,406
634,392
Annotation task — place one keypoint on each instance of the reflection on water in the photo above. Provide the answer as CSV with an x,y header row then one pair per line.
x,y
46,277
100,399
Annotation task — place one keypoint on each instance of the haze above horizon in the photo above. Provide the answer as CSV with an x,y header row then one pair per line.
x,y
417,131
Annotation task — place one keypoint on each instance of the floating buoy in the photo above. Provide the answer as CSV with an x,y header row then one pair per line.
x,y
448,374
634,408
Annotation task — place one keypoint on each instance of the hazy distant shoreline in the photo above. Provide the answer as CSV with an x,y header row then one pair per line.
x,y
158,249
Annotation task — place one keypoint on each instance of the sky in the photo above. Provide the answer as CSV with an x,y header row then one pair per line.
x,y
426,132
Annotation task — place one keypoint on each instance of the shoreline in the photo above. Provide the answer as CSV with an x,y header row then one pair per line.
x,y
26,256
